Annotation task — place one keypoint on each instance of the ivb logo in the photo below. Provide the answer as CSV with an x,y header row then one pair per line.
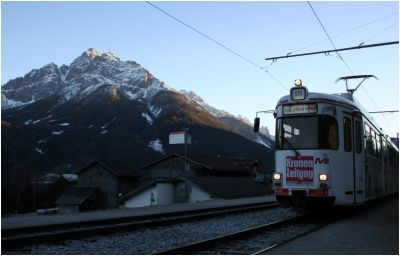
x,y
322,160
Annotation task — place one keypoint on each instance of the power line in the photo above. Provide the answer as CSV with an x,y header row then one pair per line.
x,y
216,42
326,33
348,67
347,31
386,111
380,32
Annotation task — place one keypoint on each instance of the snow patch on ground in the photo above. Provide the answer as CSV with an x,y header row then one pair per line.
x,y
107,124
259,140
157,146
155,111
39,151
103,128
9,103
131,96
148,118
57,132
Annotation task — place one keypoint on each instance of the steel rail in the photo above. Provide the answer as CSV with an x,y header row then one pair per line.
x,y
290,239
15,240
117,220
212,242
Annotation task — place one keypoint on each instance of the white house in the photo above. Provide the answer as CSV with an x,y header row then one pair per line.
x,y
163,191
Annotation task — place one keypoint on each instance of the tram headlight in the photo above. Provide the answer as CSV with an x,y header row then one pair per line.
x,y
323,177
277,176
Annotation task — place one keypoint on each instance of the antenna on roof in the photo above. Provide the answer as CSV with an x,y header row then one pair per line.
x,y
354,77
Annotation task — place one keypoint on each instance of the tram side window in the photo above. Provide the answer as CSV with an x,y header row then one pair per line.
x,y
378,146
368,141
384,151
373,139
358,136
347,134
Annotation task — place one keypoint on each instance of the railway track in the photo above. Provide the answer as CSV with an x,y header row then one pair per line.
x,y
22,237
253,240
263,238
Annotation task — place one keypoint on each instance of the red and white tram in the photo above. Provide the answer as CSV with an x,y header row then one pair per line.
x,y
328,150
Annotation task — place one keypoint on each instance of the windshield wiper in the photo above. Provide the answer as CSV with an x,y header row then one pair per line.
x,y
290,145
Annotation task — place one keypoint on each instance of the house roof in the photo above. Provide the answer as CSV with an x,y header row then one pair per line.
x,y
115,167
230,187
75,195
208,162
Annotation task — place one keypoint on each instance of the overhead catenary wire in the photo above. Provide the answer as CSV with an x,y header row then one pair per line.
x,y
348,67
347,31
330,39
218,43
385,111
289,55
380,32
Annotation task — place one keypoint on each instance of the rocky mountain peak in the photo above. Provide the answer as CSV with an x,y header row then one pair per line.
x,y
82,77
92,53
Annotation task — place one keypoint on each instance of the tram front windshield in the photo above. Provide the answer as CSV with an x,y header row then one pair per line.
x,y
307,132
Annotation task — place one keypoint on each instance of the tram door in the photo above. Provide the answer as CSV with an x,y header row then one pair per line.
x,y
352,158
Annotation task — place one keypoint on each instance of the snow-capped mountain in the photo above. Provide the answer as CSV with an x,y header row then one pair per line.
x,y
100,107
196,98
85,74
239,123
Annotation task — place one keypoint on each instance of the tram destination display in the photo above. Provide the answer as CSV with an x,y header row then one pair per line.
x,y
300,109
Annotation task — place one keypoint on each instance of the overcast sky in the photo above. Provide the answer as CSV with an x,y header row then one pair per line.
x,y
36,33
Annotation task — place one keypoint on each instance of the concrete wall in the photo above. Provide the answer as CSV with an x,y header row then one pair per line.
x,y
162,193
165,193
144,198
197,195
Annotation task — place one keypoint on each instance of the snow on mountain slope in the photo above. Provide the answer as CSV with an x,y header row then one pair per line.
x,y
194,97
81,78
102,107
239,123
96,72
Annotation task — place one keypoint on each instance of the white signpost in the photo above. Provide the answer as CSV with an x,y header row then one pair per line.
x,y
183,137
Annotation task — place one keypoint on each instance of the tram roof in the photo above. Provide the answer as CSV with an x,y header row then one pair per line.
x,y
344,99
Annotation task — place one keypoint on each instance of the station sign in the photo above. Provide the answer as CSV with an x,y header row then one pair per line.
x,y
179,137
